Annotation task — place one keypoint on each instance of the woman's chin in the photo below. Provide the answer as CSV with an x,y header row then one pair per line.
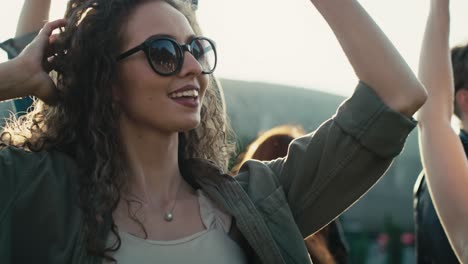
x,y
187,126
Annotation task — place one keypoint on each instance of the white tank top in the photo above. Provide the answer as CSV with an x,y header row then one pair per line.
x,y
212,245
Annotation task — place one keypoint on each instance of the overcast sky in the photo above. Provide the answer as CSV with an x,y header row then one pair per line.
x,y
249,33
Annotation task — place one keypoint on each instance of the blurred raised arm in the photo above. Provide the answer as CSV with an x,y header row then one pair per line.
x,y
373,57
34,14
442,153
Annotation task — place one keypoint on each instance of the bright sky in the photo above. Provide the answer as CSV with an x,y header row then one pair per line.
x,y
253,35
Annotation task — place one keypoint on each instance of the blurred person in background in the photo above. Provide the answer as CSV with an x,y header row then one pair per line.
x,y
443,185
432,245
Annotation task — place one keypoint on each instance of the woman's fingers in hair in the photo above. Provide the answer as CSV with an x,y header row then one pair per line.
x,y
37,59
53,38
49,27
52,48
40,46
45,35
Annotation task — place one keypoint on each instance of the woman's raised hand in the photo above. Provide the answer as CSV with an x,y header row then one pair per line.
x,y
373,57
34,64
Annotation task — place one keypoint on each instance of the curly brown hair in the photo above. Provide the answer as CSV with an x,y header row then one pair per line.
x,y
83,124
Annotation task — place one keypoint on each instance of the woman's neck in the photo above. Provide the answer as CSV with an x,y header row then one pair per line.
x,y
152,168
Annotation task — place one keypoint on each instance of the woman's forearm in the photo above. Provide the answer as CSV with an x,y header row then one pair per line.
x,y
14,81
373,57
34,14
435,68
442,153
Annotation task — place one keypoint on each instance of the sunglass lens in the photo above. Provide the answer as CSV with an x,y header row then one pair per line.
x,y
164,56
204,52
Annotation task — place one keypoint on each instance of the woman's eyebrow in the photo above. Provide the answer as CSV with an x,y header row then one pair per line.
x,y
187,39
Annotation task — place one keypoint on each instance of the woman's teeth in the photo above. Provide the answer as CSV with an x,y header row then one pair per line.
x,y
189,93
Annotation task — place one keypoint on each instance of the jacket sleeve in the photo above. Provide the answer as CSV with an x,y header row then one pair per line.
x,y
328,170
14,46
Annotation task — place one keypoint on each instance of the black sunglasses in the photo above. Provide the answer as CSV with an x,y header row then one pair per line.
x,y
166,56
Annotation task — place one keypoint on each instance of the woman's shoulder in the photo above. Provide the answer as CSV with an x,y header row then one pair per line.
x,y
20,168
23,159
38,190
18,160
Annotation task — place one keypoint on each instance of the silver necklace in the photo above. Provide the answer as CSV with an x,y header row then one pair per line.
x,y
168,215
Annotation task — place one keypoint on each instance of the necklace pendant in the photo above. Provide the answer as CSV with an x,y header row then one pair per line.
x,y
168,216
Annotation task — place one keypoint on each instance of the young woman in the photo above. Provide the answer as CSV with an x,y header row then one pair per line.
x,y
442,152
127,161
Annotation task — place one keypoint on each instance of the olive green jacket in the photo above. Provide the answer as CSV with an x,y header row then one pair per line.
x,y
275,204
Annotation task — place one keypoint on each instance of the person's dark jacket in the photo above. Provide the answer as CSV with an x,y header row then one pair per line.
x,y
432,245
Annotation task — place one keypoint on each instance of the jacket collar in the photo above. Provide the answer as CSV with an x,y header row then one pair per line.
x,y
225,191
228,194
